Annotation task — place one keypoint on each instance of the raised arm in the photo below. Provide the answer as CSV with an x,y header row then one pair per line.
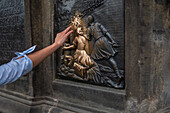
x,y
40,55
22,64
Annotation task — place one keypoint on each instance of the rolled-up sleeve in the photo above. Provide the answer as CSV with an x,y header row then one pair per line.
x,y
11,71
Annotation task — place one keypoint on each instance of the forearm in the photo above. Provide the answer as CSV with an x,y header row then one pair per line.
x,y
21,64
69,47
110,38
40,55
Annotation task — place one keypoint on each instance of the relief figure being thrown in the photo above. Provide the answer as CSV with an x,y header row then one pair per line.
x,y
81,62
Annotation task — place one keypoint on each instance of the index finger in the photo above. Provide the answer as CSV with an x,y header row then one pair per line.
x,y
67,29
66,35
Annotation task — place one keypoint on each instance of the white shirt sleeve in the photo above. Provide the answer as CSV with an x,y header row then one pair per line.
x,y
11,71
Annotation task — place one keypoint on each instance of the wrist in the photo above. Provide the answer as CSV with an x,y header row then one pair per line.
x,y
55,46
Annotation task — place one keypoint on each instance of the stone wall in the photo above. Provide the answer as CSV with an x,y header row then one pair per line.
x,y
147,53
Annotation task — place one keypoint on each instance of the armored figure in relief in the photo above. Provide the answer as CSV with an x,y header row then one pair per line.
x,y
104,45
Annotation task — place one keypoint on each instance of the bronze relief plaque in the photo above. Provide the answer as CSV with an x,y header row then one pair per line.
x,y
94,52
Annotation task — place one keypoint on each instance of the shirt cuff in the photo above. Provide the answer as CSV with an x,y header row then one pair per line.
x,y
28,61
24,53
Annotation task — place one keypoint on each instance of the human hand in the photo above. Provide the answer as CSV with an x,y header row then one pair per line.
x,y
114,44
62,36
